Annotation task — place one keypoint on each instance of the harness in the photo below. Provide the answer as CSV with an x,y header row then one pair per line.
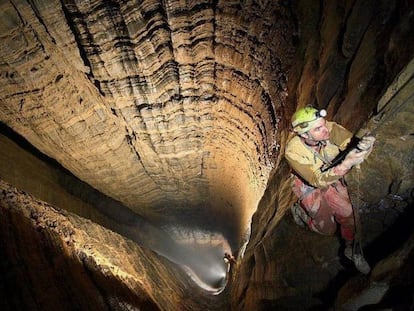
x,y
320,154
321,146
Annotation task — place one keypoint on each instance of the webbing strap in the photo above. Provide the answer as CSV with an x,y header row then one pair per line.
x,y
358,226
323,158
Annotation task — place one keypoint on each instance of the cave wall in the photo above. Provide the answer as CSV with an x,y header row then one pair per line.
x,y
180,109
178,102
32,172
55,260
169,107
354,59
351,54
194,251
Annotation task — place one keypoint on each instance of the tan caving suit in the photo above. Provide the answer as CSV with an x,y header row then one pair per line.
x,y
323,195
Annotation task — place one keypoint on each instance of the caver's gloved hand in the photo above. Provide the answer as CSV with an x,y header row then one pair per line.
x,y
354,157
366,143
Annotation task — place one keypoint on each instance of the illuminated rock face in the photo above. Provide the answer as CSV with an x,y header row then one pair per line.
x,y
169,107
179,110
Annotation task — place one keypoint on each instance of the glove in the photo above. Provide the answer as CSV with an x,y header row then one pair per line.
x,y
354,157
366,143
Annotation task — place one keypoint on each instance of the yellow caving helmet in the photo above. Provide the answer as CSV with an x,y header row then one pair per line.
x,y
304,119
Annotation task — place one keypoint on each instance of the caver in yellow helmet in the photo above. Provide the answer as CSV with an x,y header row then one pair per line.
x,y
304,119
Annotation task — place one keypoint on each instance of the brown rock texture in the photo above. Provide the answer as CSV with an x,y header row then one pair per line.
x,y
166,106
55,260
176,113
346,62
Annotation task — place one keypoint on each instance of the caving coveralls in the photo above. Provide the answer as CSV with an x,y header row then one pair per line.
x,y
323,195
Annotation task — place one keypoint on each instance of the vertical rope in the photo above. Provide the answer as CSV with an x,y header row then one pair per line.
x,y
358,226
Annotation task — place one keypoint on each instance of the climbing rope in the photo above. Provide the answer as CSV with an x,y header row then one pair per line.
x,y
358,257
358,226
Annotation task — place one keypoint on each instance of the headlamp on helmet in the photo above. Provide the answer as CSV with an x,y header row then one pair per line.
x,y
304,118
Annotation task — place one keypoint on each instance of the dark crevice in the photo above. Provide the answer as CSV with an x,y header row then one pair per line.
x,y
82,52
393,238
389,242
39,17
25,145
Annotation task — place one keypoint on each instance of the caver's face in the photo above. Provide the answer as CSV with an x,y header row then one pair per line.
x,y
319,131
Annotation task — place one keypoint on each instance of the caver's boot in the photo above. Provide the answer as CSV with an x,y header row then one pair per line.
x,y
299,215
360,263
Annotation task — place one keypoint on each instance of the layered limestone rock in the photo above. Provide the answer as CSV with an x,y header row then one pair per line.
x,y
170,107
178,110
